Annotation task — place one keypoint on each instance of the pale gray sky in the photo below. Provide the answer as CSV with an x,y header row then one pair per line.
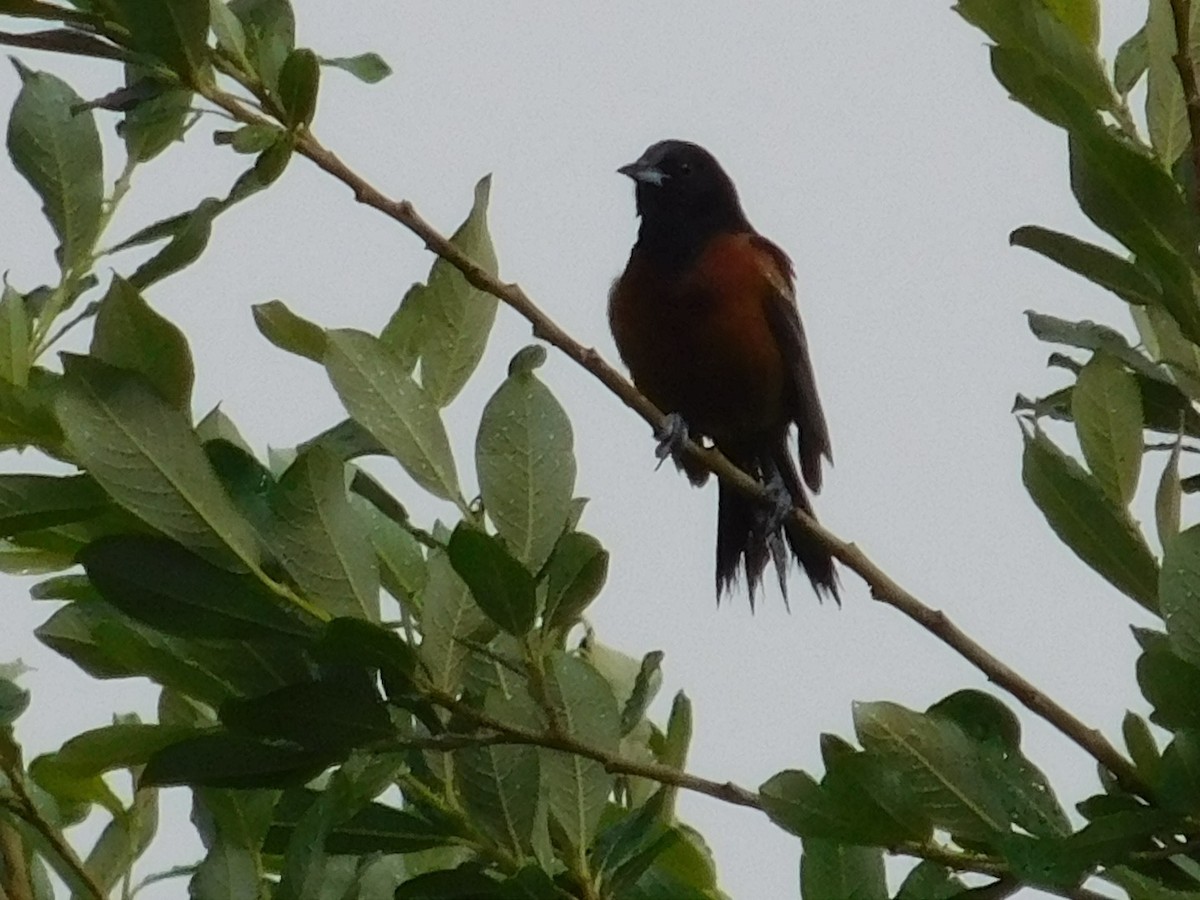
x,y
872,143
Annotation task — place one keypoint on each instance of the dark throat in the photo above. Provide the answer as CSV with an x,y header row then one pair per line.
x,y
674,242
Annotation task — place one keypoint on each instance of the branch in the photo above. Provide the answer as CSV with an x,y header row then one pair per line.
x,y
1181,12
883,588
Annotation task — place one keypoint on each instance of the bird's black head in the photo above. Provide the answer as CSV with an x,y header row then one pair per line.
x,y
683,196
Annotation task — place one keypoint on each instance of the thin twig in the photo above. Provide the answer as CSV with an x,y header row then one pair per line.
x,y
883,587
1181,12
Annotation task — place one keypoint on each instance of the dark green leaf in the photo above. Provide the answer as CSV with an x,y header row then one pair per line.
x,y
1131,197
501,586
1096,529
1171,685
290,332
1142,747
829,870
1094,263
145,455
169,588
402,568
1180,772
27,414
375,828
155,121
187,243
320,540
446,322
13,701
467,882
232,761
1167,499
368,67
645,687
58,153
347,641
1166,116
1107,408
1081,16
120,746
929,881
29,502
381,396
574,576
174,31
1131,62
299,80
525,457
335,714
130,335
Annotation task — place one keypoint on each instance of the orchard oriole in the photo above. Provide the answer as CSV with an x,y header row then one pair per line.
x,y
705,318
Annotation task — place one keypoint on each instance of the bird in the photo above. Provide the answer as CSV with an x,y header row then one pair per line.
x,y
704,316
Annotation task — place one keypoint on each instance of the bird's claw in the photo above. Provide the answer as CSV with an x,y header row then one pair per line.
x,y
671,440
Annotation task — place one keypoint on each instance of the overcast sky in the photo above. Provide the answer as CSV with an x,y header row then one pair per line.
x,y
871,142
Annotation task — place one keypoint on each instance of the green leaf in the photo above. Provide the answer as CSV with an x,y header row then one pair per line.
x,y
320,540
229,871
1063,52
130,335
290,332
447,321
26,414
155,122
1166,115
929,881
232,761
577,789
1107,409
1180,772
829,870
842,811
269,28
500,785
1134,199
375,828
645,687
368,67
175,31
1172,686
106,644
1143,749
1081,16
448,618
58,153
145,455
501,586
334,714
574,577
1094,263
1167,499
14,700
1026,792
525,457
384,399
177,592
1179,594
1097,530
120,746
353,642
15,338
1088,335
29,502
935,759
402,569
189,237
299,80
1131,62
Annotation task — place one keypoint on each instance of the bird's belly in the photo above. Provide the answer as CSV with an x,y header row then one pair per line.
x,y
720,369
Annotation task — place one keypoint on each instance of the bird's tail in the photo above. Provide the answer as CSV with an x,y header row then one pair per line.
x,y
747,537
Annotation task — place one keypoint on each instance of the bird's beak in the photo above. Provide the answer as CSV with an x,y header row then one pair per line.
x,y
644,173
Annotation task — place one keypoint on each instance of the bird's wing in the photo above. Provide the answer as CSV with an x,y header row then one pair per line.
x,y
784,320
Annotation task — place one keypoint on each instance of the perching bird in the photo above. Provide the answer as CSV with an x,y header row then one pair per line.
x,y
704,316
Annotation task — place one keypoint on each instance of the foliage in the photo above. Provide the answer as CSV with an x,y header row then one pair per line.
x,y
366,706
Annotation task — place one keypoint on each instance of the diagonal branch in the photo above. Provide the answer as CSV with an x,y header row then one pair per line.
x,y
883,588
1181,12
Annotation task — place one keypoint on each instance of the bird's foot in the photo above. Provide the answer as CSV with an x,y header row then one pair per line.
x,y
779,508
671,440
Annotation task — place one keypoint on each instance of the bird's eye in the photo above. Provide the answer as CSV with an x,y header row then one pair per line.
x,y
685,168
